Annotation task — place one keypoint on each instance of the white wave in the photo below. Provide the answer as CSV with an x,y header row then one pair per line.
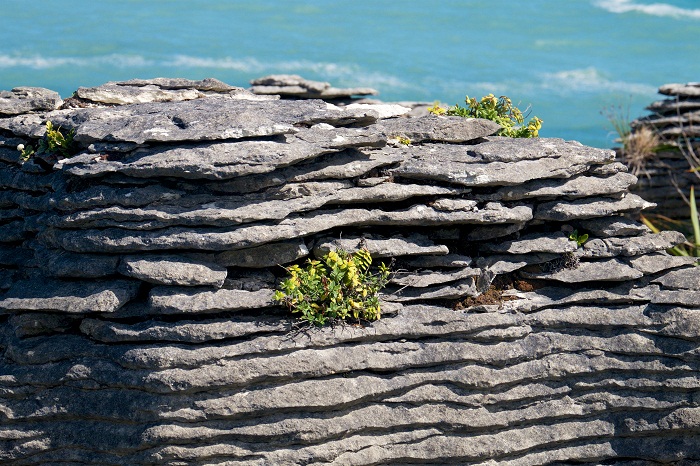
x,y
653,9
591,80
38,62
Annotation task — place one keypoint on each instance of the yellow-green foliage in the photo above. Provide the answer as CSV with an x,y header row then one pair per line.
x,y
502,111
54,142
579,239
338,286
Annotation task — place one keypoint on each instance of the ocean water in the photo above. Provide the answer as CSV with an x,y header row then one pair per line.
x,y
570,62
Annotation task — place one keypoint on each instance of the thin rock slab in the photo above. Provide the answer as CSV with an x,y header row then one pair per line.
x,y
175,300
64,264
413,245
555,243
456,290
606,227
631,245
447,261
497,162
227,160
612,270
115,240
681,279
561,211
577,187
658,262
213,118
452,129
267,255
138,91
172,270
218,211
28,99
71,297
183,331
426,278
681,90
292,85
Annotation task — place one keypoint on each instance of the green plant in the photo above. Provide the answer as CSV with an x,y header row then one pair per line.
x,y
691,247
579,239
436,109
338,286
502,111
403,140
53,142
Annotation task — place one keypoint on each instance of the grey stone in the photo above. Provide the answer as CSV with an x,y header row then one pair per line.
x,y
293,198
608,169
685,279
438,128
657,262
118,240
267,255
557,243
502,264
154,90
448,260
603,271
68,296
631,246
28,99
426,278
577,187
226,160
291,85
456,290
590,208
172,270
606,227
381,109
346,164
183,331
213,118
250,280
33,324
498,162
101,195
412,245
489,233
64,264
174,300
681,90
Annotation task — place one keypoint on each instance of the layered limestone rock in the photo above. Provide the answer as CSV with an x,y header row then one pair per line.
x,y
137,320
667,173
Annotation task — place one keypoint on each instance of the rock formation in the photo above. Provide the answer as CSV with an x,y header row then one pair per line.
x,y
665,176
137,324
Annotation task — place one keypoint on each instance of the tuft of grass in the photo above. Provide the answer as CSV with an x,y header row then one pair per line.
x,y
692,246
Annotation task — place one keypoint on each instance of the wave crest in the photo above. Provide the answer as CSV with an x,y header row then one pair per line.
x,y
653,9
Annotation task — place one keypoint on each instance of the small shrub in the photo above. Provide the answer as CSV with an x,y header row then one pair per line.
x,y
437,109
403,140
502,111
54,142
337,287
579,239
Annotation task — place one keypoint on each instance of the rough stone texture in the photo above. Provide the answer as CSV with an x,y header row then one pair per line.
x,y
172,270
293,86
28,99
559,353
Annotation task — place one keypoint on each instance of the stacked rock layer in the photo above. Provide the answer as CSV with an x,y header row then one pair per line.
x,y
137,324
666,177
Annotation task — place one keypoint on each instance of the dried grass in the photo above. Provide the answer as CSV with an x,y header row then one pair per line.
x,y
638,147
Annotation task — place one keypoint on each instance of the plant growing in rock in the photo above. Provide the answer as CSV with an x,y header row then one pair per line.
x,y
337,287
502,111
578,239
54,142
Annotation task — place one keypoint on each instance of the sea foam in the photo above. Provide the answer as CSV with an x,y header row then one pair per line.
x,y
654,9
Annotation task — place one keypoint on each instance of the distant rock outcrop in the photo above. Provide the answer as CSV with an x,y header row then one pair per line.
x,y
666,175
137,321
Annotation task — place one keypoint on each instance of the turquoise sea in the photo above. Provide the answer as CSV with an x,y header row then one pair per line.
x,y
568,60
